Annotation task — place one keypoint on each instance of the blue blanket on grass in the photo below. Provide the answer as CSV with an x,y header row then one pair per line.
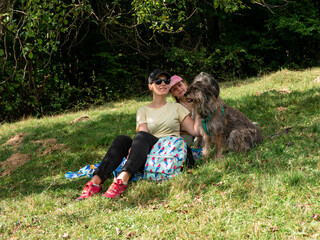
x,y
88,170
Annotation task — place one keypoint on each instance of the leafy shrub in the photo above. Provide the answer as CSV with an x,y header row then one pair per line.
x,y
225,63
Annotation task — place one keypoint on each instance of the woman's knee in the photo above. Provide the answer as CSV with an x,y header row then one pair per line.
x,y
123,139
144,139
143,135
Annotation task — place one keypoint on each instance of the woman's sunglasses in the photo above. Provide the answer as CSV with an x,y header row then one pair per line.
x,y
159,81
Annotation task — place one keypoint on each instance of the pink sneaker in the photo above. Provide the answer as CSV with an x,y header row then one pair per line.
x,y
115,189
89,190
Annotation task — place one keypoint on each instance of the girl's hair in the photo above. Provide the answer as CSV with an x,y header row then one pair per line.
x,y
177,99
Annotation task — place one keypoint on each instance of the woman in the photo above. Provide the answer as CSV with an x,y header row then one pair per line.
x,y
158,119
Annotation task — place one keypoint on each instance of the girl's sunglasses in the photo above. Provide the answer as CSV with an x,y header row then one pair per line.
x,y
159,81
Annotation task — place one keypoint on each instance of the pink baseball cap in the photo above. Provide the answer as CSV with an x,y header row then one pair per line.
x,y
174,80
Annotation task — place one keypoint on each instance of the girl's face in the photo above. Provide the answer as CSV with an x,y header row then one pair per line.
x,y
160,89
179,89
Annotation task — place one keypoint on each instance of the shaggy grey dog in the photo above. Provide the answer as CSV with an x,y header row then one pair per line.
x,y
221,124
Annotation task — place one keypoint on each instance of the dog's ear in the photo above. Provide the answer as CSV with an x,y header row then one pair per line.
x,y
206,78
216,87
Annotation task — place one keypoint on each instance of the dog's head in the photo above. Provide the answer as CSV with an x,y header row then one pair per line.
x,y
203,88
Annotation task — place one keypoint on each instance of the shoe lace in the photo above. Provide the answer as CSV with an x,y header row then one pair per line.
x,y
86,189
114,187
117,186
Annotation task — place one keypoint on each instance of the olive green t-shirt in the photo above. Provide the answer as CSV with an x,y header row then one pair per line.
x,y
164,121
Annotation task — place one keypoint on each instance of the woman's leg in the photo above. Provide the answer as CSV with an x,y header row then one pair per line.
x,y
140,148
117,151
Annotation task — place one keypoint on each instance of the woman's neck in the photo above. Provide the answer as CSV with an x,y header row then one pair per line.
x,y
158,101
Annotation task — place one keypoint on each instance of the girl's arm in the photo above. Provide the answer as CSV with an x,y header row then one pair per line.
x,y
191,126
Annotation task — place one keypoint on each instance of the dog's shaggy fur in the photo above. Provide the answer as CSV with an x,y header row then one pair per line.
x,y
227,127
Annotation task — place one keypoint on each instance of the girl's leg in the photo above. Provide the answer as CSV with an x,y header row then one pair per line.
x,y
117,151
190,160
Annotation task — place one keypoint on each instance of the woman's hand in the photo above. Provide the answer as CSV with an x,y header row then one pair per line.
x,y
191,126
128,153
142,127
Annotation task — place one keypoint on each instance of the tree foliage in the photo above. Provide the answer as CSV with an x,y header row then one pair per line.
x,y
59,54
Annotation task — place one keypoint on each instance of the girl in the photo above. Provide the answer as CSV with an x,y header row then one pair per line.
x,y
178,88
155,120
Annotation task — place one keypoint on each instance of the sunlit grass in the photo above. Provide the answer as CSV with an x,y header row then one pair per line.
x,y
271,192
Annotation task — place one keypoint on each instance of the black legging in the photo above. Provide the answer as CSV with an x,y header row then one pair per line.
x,y
140,147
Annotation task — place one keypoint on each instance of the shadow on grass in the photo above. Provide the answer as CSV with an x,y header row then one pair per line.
x,y
86,143
274,111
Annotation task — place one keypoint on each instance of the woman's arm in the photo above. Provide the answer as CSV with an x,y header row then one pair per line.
x,y
191,126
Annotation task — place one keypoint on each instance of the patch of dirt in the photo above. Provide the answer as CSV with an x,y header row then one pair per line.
x,y
82,118
281,109
282,91
50,146
15,140
12,163
46,142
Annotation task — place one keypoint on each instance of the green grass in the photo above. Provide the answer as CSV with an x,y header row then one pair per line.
x,y
271,192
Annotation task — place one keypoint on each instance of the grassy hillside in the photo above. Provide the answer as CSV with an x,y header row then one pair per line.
x,y
271,192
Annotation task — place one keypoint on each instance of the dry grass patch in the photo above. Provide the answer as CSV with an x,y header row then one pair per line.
x,y
48,146
16,140
11,164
